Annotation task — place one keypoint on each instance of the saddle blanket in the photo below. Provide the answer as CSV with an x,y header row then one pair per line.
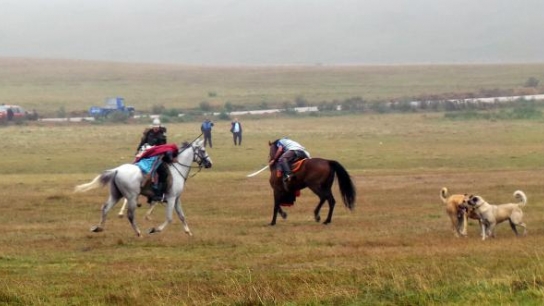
x,y
145,164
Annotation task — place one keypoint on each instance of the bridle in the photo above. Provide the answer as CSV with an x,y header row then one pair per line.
x,y
199,156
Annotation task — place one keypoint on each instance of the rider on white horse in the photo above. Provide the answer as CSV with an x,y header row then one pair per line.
x,y
149,161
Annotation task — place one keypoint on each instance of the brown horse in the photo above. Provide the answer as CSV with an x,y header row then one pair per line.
x,y
318,175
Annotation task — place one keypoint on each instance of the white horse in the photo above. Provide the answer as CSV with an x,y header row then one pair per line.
x,y
125,181
151,203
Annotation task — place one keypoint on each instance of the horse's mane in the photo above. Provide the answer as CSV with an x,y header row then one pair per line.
x,y
184,145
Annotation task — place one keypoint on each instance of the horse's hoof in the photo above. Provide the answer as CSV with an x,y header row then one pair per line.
x,y
317,218
152,231
96,229
120,215
272,223
283,215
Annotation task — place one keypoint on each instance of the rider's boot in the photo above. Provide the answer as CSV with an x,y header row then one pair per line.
x,y
286,170
158,189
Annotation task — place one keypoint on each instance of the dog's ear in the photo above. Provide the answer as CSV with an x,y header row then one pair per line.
x,y
472,199
475,200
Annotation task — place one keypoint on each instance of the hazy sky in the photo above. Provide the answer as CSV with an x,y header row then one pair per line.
x,y
228,32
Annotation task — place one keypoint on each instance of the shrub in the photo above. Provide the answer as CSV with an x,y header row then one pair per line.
x,y
61,112
532,82
301,102
205,106
157,109
223,116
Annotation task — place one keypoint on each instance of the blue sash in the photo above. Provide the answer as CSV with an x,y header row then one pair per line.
x,y
146,164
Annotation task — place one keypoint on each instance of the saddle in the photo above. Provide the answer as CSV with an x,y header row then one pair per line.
x,y
295,166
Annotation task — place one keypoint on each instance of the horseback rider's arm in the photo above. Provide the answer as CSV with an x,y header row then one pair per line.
x,y
143,140
276,156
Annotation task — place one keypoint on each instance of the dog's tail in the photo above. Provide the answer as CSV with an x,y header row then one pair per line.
x,y
521,197
444,195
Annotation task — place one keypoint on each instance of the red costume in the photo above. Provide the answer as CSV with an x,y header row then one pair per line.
x,y
158,150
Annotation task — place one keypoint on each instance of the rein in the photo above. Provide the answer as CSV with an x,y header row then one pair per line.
x,y
190,166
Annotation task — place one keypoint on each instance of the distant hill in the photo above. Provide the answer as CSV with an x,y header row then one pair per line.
x,y
50,84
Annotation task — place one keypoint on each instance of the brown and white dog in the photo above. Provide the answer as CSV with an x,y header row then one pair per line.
x,y
491,215
457,211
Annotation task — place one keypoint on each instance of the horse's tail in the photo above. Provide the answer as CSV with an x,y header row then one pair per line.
x,y
347,189
98,181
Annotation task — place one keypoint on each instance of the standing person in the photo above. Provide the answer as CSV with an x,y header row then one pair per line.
x,y
10,114
288,151
236,130
206,129
154,135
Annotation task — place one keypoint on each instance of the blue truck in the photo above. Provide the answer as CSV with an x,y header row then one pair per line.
x,y
113,105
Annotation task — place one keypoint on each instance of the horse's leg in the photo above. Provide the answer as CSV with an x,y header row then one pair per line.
x,y
275,214
169,212
277,209
131,213
121,213
332,202
318,209
282,213
150,210
105,209
181,216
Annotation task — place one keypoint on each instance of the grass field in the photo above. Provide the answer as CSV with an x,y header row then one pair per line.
x,y
50,86
395,248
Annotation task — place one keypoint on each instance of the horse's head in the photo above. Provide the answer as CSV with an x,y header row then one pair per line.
x,y
273,149
201,157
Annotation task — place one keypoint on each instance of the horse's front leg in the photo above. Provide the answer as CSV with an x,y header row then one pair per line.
x,y
169,212
282,213
150,210
181,217
276,210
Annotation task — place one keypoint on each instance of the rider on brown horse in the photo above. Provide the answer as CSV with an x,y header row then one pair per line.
x,y
288,151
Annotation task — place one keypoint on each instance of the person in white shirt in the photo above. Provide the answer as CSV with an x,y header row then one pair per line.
x,y
287,151
236,130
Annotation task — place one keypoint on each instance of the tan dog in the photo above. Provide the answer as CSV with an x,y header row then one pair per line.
x,y
491,215
457,212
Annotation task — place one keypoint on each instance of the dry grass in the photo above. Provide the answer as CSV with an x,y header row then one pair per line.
x,y
396,248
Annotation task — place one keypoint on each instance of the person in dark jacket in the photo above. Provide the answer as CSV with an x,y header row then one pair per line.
x,y
206,129
153,136
236,130
10,114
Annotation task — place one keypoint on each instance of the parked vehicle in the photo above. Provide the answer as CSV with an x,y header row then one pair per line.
x,y
15,112
113,105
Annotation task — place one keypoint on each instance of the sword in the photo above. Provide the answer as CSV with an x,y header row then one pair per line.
x,y
255,173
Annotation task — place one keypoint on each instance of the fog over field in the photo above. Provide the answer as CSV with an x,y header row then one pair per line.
x,y
284,32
